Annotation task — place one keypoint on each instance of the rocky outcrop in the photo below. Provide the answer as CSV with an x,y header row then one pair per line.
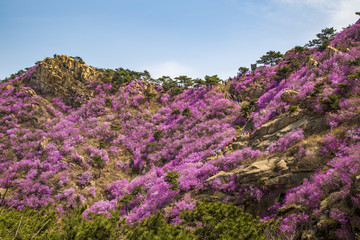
x,y
311,62
331,51
278,171
64,77
284,123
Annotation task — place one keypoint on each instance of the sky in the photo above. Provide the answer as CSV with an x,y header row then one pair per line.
x,y
165,37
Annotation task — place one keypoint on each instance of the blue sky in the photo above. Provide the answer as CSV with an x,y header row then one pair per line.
x,y
165,37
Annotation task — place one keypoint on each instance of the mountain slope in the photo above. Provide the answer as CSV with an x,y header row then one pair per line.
x,y
71,136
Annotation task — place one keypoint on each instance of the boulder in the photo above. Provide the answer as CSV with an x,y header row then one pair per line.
x,y
290,96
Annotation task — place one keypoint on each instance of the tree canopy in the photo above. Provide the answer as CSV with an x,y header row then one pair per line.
x,y
322,40
270,58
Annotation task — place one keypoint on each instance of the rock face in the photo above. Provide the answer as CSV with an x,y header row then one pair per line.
x,y
280,171
64,77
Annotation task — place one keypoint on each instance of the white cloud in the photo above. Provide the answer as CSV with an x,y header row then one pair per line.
x,y
339,13
344,13
169,68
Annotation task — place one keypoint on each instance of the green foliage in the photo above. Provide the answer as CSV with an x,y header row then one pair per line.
x,y
212,80
331,103
79,59
166,82
151,145
115,126
198,82
318,88
16,83
73,226
27,223
186,112
299,49
130,196
176,111
242,70
295,63
171,177
249,107
158,134
355,62
283,73
322,40
108,103
176,91
102,144
185,81
121,76
355,75
217,220
270,58
155,227
343,88
149,94
210,220
293,108
97,162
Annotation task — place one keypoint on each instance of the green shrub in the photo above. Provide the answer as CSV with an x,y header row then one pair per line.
x,y
355,75
16,83
158,134
283,73
186,112
342,85
331,103
176,91
209,220
217,220
27,223
97,162
293,108
176,111
102,144
115,126
108,103
355,62
299,49
149,94
171,177
249,107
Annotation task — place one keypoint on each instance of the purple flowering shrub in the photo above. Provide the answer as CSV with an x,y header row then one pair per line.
x,y
284,142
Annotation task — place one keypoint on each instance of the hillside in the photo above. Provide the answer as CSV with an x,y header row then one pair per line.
x,y
72,135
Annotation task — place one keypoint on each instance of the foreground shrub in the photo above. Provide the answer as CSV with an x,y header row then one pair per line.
x,y
208,220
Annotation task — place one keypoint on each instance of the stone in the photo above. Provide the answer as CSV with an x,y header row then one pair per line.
x,y
238,145
331,51
43,143
290,96
282,165
2,192
312,62
255,143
